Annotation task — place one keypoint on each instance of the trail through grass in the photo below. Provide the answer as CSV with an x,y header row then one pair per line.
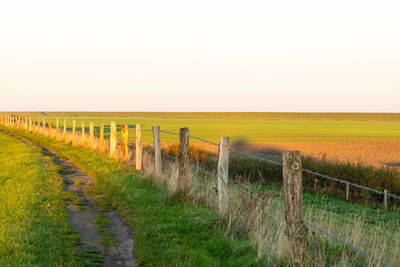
x,y
168,230
34,224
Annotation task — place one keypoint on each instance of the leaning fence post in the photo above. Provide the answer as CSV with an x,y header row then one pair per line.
x,y
385,198
184,160
91,133
101,138
157,149
113,138
223,167
296,231
139,150
124,139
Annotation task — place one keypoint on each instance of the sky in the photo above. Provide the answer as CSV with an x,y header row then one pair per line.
x,y
321,56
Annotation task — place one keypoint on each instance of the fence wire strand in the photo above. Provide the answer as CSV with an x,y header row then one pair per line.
x,y
304,170
238,188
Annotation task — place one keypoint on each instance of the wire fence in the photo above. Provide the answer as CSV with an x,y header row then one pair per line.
x,y
249,155
321,230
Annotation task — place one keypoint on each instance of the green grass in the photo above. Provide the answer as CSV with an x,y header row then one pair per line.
x,y
251,130
248,127
34,224
168,232
171,232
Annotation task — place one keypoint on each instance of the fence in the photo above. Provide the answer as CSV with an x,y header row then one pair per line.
x,y
292,170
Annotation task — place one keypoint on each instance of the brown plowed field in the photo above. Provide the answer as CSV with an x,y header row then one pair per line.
x,y
375,153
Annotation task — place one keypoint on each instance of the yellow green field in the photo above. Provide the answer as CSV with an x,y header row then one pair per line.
x,y
248,127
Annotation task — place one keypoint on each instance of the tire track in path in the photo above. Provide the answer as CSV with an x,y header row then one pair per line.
x,y
84,213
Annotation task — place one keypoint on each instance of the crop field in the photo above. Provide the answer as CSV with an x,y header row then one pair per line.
x,y
362,138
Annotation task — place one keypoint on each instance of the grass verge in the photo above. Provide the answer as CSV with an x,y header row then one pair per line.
x,y
34,224
168,231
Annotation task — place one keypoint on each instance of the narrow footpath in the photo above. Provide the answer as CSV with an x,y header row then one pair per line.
x,y
106,238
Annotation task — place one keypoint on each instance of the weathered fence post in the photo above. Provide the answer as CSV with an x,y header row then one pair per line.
x,y
124,139
73,130
113,138
83,132
44,126
315,185
347,192
138,148
101,138
223,167
91,134
184,160
57,128
296,230
50,131
157,149
385,198
65,128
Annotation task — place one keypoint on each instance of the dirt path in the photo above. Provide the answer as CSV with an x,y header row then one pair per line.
x,y
107,239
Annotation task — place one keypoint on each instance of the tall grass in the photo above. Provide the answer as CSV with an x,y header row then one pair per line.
x,y
266,226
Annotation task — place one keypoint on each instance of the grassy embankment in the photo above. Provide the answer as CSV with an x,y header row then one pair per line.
x,y
168,230
34,224
370,229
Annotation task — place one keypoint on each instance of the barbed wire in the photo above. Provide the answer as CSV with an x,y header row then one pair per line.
x,y
307,171
161,131
350,183
203,140
238,188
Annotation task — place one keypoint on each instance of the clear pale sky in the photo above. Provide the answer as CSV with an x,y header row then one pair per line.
x,y
200,55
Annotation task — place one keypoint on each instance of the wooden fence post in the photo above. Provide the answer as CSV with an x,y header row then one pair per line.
x,y
113,138
101,138
223,173
57,128
65,128
347,192
138,148
50,129
124,139
184,160
83,132
73,130
385,198
44,126
296,230
157,149
91,134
